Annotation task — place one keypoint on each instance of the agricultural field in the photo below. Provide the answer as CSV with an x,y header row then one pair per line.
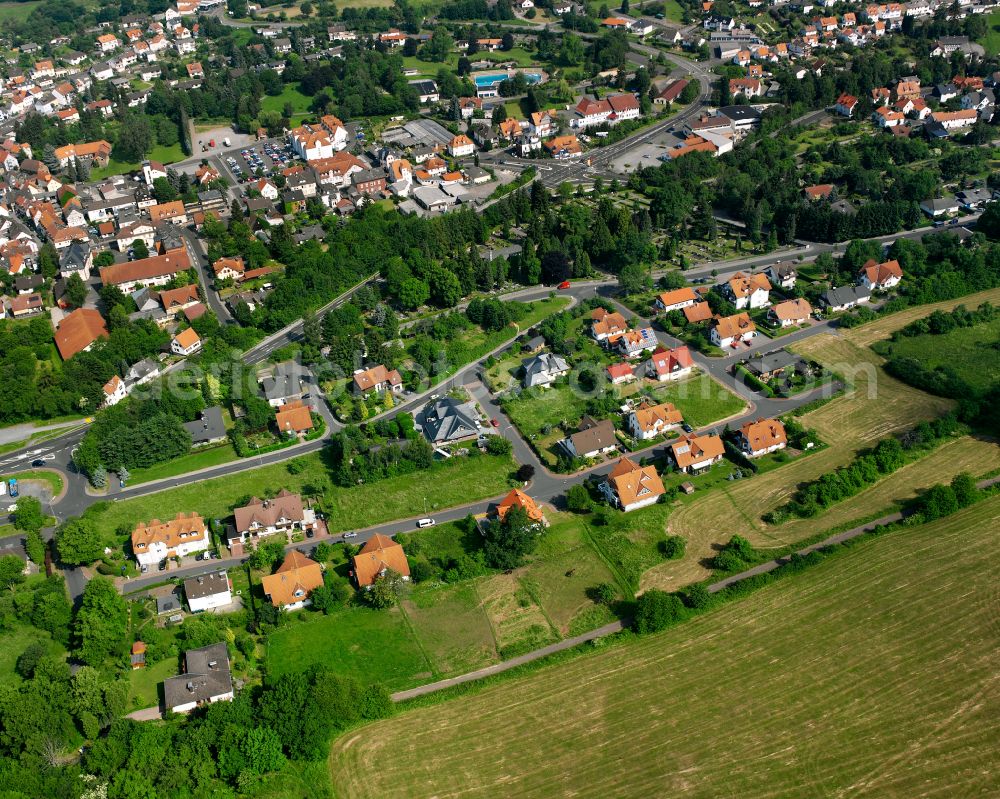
x,y
655,716
877,406
18,10
971,352
882,328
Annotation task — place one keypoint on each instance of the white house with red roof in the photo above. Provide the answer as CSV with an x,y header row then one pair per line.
x,y
673,364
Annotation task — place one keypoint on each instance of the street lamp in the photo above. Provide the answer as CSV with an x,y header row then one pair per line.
x,y
260,461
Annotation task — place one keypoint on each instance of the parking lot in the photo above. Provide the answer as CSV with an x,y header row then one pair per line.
x,y
260,160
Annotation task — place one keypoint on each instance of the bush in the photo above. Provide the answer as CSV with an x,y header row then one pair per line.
x,y
603,594
697,596
656,610
578,499
673,547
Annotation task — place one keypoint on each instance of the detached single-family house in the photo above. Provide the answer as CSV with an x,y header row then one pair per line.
x,y
729,330
790,312
208,591
379,555
633,343
940,206
630,486
206,680
607,325
376,380
672,364
840,299
516,498
759,438
693,453
289,587
114,391
747,291
182,535
543,369
649,421
783,274
880,277
619,373
185,343
447,420
675,300
592,439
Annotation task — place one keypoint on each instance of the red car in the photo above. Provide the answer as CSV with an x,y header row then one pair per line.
x,y
564,285
494,422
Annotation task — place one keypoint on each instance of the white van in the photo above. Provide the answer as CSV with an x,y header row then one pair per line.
x,y
426,523
3,488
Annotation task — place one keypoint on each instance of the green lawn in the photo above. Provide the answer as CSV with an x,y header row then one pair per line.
x,y
701,399
300,102
371,645
451,626
201,459
970,351
165,155
18,11
15,640
450,483
541,407
991,41
843,680
144,684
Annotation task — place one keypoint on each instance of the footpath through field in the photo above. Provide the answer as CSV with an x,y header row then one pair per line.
x,y
618,626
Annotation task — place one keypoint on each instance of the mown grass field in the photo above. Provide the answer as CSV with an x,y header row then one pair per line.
x,y
451,483
202,459
872,674
877,406
290,94
18,10
991,41
701,399
971,351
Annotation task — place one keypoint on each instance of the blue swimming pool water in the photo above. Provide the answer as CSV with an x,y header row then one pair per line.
x,y
483,81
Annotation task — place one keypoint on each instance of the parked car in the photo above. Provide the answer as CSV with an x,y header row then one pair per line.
x,y
350,535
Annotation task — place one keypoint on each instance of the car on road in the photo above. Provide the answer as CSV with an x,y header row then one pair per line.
x,y
428,522
349,535
686,427
494,422
37,463
564,285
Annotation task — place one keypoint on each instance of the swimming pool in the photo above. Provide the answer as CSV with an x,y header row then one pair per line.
x,y
486,81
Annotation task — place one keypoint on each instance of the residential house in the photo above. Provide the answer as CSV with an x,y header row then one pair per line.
x,y
630,486
880,277
285,383
152,271
446,420
208,428
208,591
206,680
672,364
289,587
747,291
78,331
176,300
633,343
461,146
790,312
293,418
607,325
692,453
516,498
952,120
840,299
183,535
846,104
376,380
650,421
619,373
262,518
774,364
563,147
185,343
675,300
727,331
759,438
114,391
24,305
783,274
97,152
379,555
698,313
593,438
229,268
78,259
543,370
822,191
